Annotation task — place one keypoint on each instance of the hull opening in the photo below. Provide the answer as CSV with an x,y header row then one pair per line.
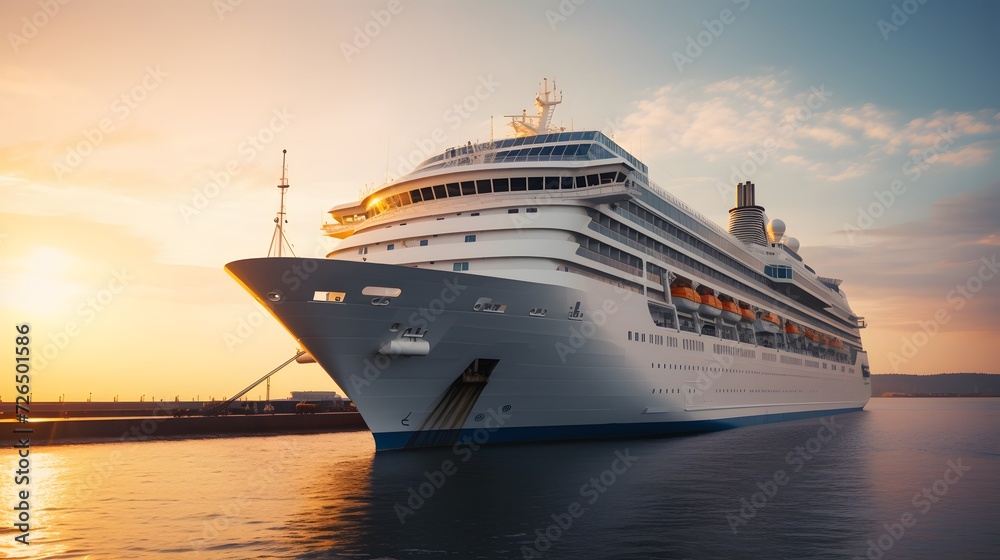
x,y
442,425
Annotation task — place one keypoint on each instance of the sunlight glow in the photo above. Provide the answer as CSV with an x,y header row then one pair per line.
x,y
45,284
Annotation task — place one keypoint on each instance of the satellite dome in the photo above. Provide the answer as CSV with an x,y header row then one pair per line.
x,y
793,244
775,230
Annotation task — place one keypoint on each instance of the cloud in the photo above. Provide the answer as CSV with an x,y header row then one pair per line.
x,y
910,268
741,115
727,117
794,160
967,156
842,170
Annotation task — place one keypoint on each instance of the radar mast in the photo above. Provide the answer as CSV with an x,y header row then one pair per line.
x,y
278,240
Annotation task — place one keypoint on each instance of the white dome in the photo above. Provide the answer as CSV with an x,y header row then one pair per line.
x,y
793,244
775,230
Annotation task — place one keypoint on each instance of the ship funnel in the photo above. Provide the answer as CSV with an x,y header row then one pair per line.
x,y
745,195
746,220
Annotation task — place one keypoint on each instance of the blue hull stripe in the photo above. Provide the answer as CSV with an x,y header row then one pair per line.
x,y
399,440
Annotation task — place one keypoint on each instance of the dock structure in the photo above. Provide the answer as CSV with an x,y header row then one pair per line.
x,y
79,422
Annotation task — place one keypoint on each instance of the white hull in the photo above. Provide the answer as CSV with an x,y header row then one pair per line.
x,y
556,376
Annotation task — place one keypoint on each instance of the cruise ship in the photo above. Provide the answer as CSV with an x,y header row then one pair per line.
x,y
543,287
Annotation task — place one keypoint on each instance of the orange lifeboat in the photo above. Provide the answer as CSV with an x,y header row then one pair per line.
x,y
824,340
710,306
730,311
836,343
812,336
768,322
685,298
792,331
746,313
770,317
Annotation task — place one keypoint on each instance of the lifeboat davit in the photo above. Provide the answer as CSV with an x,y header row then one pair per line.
x,y
768,322
710,306
731,312
792,331
685,298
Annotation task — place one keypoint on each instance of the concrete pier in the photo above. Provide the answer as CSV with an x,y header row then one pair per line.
x,y
163,426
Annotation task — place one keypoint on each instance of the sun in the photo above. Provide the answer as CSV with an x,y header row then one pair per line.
x,y
42,283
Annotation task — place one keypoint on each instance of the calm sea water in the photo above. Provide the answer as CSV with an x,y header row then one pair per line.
x,y
906,478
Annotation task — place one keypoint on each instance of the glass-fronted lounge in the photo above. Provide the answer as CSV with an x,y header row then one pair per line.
x,y
561,146
487,186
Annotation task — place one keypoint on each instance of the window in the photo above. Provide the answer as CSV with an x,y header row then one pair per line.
x,y
439,191
390,247
778,271
512,210
470,238
518,184
483,186
535,183
532,210
415,195
459,266
468,187
501,185
454,190
423,242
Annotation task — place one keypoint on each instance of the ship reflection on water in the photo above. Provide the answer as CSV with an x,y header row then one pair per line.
x,y
788,490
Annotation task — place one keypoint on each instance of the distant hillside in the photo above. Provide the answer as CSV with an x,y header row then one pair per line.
x,y
964,384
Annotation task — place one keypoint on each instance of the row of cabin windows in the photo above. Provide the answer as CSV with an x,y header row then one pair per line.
x,y
487,186
423,243
623,233
650,220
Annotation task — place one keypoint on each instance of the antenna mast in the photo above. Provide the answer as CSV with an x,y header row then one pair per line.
x,y
278,239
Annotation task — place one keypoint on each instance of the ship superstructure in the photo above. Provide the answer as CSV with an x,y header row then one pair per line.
x,y
543,287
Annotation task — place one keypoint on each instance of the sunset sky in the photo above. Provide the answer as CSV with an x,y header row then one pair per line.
x,y
141,144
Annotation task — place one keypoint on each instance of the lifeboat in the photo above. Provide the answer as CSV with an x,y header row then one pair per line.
x,y
768,322
824,340
812,336
685,298
710,306
836,343
730,311
792,331
746,313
